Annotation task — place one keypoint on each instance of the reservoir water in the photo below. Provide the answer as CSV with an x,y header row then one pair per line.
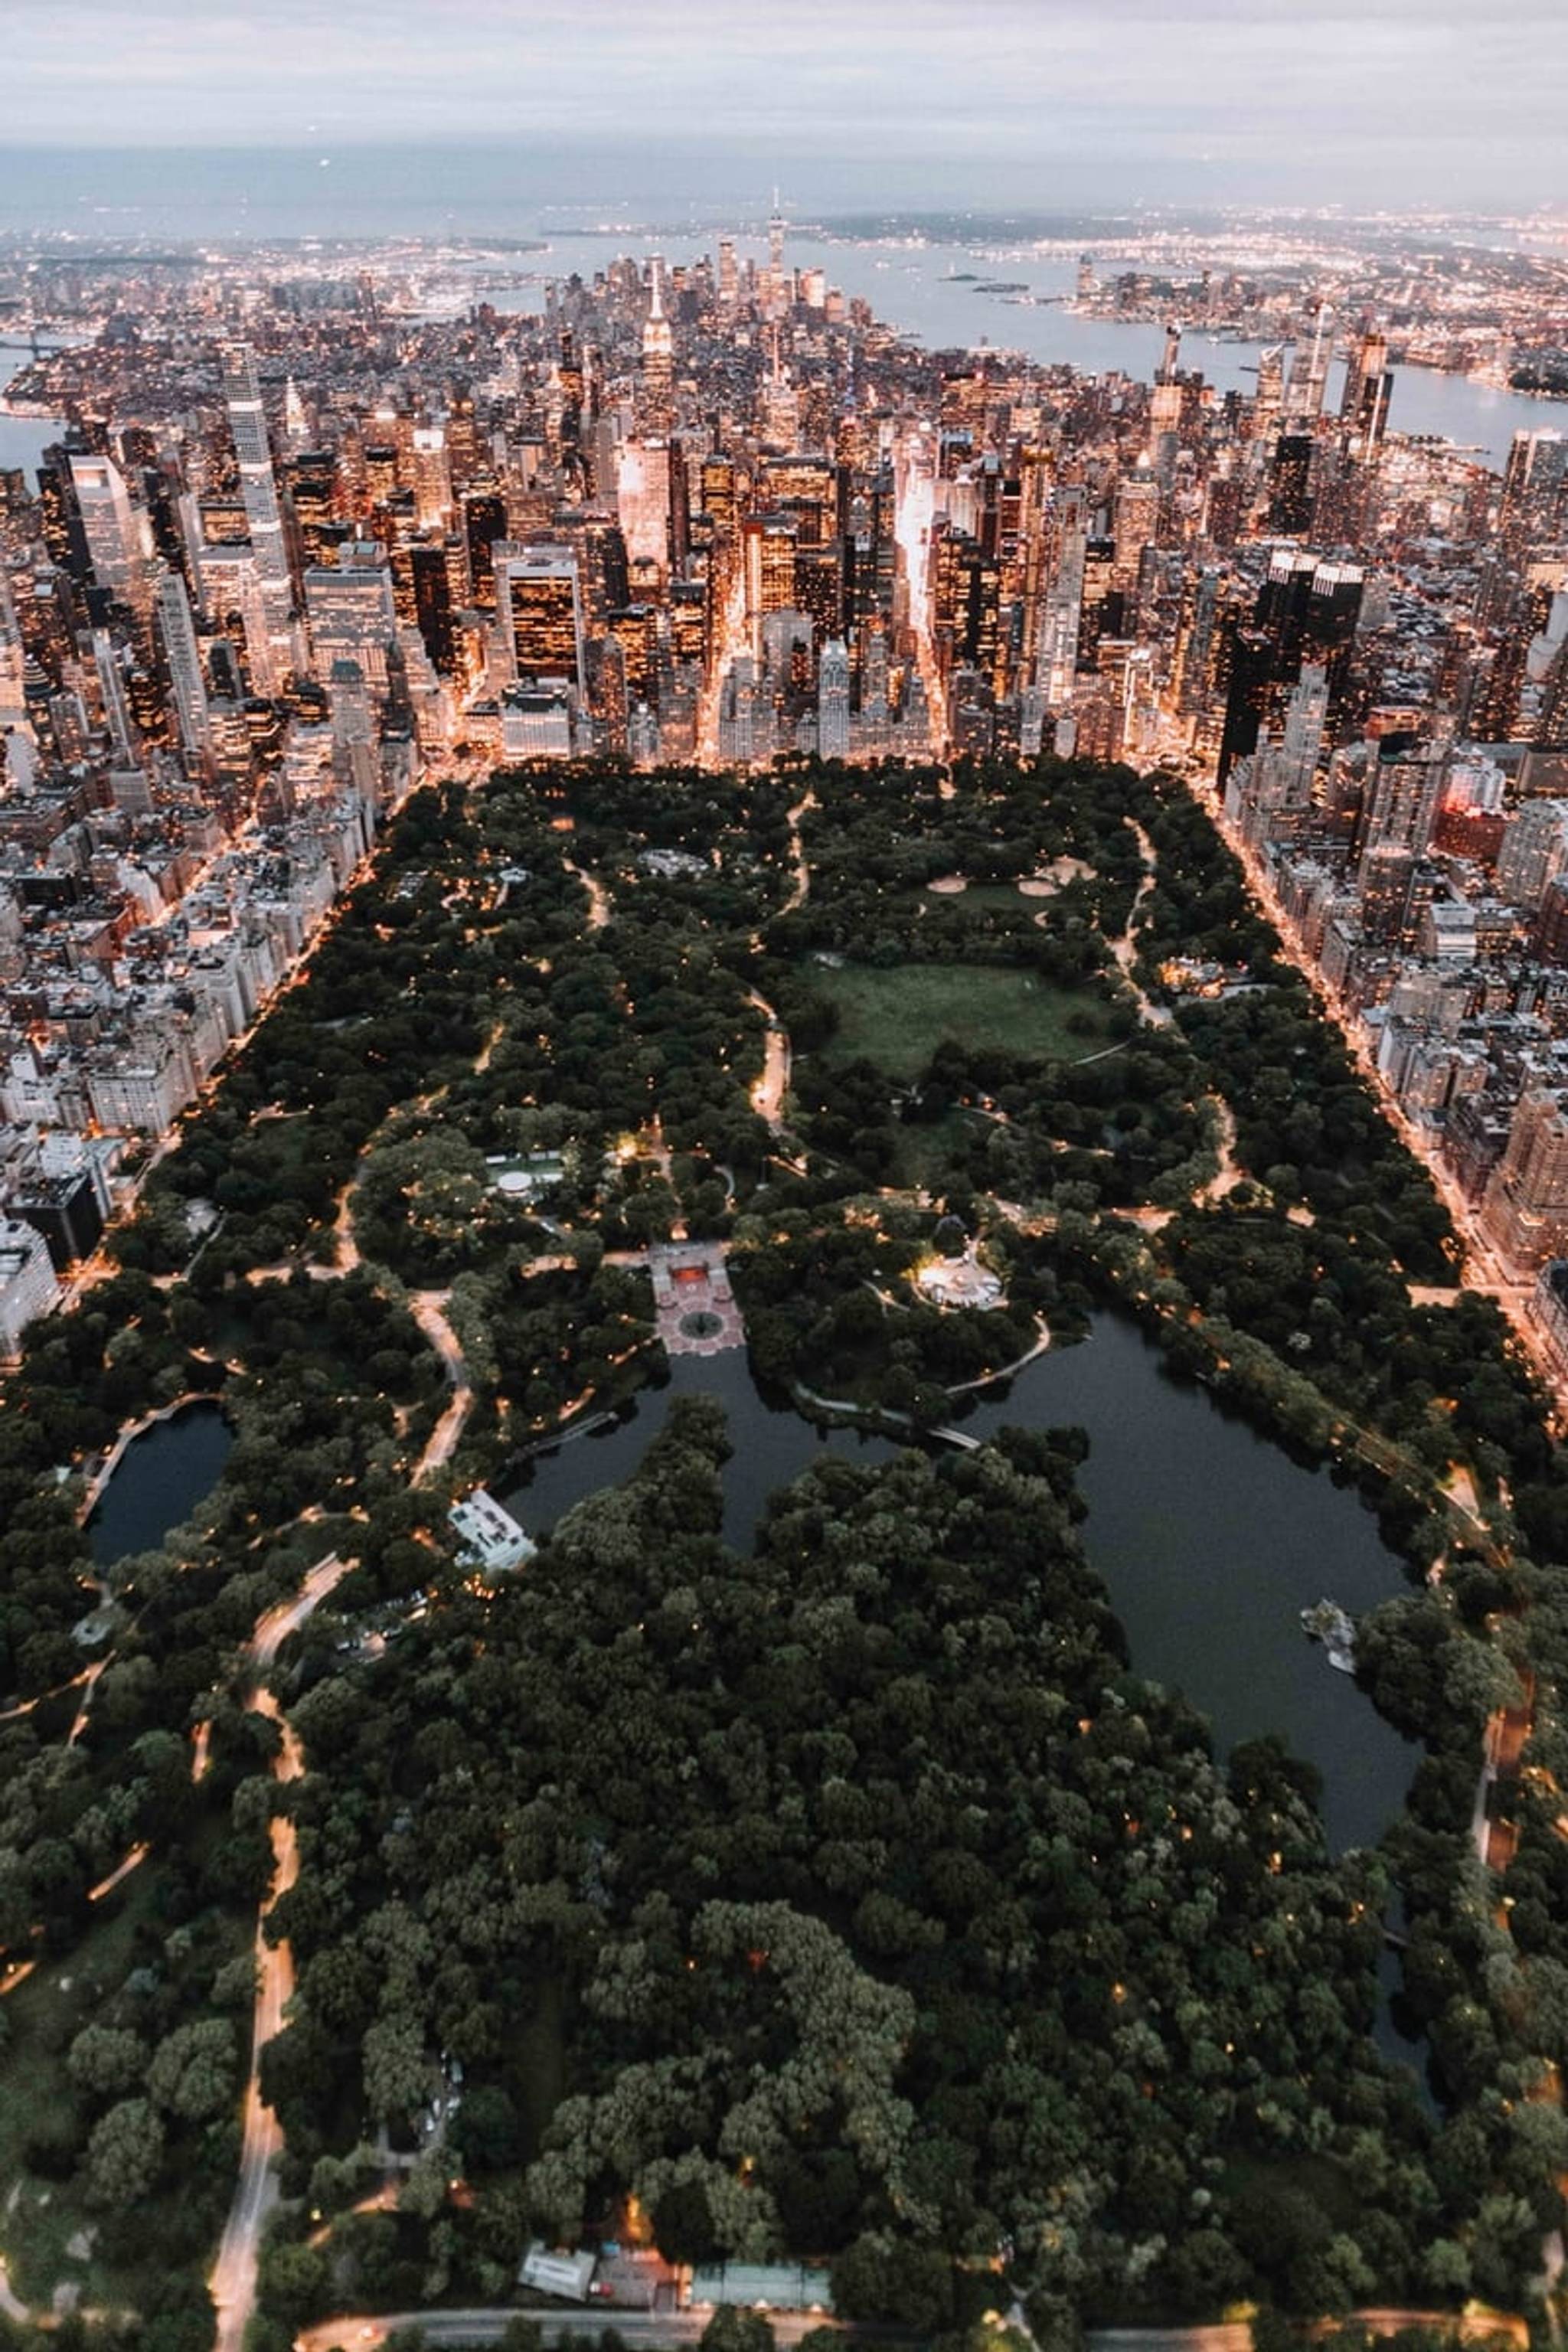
x,y
1210,1541
161,1477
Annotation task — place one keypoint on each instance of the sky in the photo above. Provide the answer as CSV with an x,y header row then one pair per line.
x,y
1388,103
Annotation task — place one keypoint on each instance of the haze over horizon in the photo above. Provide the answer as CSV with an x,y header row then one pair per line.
x,y
1397,104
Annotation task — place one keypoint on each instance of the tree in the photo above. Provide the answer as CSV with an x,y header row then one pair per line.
x,y
194,2070
124,2155
106,2059
730,2329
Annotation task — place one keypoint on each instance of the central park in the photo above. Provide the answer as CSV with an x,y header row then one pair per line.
x,y
831,1845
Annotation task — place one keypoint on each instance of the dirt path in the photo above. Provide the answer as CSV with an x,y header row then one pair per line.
x,y
1125,947
1230,1172
234,2274
598,900
773,1085
801,887
428,1310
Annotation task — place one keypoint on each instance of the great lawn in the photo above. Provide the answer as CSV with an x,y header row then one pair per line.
x,y
898,1017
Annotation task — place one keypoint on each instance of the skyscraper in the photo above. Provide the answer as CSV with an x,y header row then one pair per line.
x,y
658,359
109,525
539,600
247,423
184,658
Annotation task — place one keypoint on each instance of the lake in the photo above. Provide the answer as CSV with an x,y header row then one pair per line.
x,y
160,1479
1210,1541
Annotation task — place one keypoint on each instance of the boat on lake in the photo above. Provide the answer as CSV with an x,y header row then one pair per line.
x,y
1326,1622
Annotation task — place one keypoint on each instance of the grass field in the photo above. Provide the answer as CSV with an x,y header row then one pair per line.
x,y
897,1018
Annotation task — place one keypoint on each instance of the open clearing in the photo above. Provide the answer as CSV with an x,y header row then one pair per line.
x,y
897,1018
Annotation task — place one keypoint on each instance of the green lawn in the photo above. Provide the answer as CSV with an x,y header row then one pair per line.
x,y
898,1017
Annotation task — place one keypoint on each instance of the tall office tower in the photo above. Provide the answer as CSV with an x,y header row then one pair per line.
x,y
539,603
767,549
231,591
430,577
833,700
484,522
1135,522
1102,608
658,359
184,658
1291,492
1250,661
352,611
642,507
1198,633
1171,358
1534,852
1525,1207
740,713
109,525
775,290
247,423
1309,368
1310,609
1363,404
1274,802
312,487
432,478
729,276
1270,400
463,458
13,663
1535,491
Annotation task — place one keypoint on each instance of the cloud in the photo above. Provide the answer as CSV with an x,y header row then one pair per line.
x,y
1378,88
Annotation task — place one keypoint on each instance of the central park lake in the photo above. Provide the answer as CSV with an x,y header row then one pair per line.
x,y
1210,1541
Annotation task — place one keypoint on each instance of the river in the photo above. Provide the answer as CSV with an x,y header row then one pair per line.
x,y
921,291
1210,1541
24,440
159,1480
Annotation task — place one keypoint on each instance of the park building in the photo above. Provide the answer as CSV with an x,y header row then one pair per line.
x,y
490,1538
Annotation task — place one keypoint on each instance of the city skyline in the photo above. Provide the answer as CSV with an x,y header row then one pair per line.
x,y
1391,105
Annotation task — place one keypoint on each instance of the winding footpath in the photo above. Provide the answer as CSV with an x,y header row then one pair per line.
x,y
428,1310
1125,947
234,2274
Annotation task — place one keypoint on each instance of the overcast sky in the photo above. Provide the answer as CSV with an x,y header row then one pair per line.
x,y
1370,101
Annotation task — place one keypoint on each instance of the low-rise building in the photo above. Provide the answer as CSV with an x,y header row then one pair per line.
x,y
491,1540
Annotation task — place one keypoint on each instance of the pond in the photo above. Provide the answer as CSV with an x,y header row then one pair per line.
x,y
160,1479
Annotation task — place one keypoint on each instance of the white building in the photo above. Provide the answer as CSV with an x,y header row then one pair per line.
x,y
27,1285
492,1539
